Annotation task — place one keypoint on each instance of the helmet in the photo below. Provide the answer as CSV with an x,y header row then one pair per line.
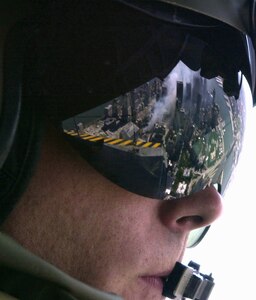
x,y
162,115
239,14
18,126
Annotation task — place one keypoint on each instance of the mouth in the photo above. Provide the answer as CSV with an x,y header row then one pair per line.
x,y
154,281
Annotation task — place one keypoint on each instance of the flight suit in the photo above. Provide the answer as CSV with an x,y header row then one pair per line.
x,y
23,275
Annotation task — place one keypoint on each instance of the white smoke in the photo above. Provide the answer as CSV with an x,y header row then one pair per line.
x,y
164,109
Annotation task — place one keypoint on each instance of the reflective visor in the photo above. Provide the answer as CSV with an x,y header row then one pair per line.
x,y
166,138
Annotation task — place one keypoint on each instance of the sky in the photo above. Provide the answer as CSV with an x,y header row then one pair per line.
x,y
229,250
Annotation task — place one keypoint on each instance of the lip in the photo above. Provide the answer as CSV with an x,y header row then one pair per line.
x,y
156,280
153,281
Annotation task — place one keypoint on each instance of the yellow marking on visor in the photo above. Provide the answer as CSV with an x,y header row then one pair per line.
x,y
108,140
139,143
156,145
84,135
128,142
112,141
97,139
148,144
88,137
115,142
73,133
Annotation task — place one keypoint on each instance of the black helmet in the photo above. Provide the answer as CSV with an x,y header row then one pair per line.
x,y
158,107
18,124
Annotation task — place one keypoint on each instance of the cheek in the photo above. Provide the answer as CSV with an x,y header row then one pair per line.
x,y
124,237
120,246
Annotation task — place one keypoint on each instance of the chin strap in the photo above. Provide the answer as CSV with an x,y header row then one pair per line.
x,y
187,282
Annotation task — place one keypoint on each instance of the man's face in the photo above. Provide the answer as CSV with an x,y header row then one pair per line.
x,y
135,241
101,234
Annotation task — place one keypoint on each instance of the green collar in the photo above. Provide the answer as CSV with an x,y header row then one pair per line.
x,y
27,269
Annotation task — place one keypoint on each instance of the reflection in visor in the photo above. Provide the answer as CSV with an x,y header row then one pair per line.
x,y
166,138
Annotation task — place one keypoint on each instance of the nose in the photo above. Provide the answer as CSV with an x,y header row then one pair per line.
x,y
191,212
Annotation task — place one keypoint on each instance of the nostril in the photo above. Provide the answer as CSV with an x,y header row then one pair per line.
x,y
191,221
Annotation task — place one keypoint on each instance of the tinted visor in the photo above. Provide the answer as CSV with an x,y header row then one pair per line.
x,y
169,137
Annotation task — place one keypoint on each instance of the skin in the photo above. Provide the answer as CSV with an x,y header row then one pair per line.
x,y
99,233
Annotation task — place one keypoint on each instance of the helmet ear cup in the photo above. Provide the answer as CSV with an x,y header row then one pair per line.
x,y
19,123
19,165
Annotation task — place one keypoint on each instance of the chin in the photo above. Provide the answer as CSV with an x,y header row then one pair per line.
x,y
144,290
142,295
